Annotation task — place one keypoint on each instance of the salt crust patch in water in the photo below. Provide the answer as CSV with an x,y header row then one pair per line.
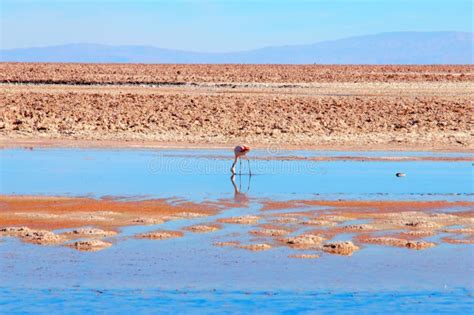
x,y
256,247
304,256
304,241
202,228
398,242
160,235
89,232
248,219
319,222
89,245
269,232
345,248
147,221
227,244
40,237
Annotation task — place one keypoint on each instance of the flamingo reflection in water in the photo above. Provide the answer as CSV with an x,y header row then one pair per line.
x,y
240,197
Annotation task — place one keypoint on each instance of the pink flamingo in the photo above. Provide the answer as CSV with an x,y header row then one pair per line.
x,y
240,152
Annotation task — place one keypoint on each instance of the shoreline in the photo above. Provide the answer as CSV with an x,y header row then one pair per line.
x,y
31,143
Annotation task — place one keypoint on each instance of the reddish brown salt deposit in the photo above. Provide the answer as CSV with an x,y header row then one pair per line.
x,y
248,219
269,232
256,247
147,221
89,233
397,242
319,222
285,220
415,234
40,237
345,248
227,244
304,256
89,245
358,227
160,235
465,230
304,241
350,209
67,212
14,231
452,240
32,219
203,228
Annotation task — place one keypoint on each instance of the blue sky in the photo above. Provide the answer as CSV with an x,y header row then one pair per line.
x,y
217,26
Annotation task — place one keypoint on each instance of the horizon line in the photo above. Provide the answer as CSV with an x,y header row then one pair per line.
x,y
231,51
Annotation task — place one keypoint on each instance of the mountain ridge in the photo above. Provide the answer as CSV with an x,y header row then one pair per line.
x,y
383,48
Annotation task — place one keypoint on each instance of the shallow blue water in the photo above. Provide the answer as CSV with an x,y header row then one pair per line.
x,y
157,174
92,301
189,275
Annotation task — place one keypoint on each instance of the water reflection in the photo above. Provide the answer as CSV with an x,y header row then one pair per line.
x,y
240,196
97,173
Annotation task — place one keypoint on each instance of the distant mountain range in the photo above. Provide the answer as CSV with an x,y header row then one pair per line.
x,y
384,48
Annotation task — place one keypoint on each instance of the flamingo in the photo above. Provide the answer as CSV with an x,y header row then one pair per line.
x,y
240,152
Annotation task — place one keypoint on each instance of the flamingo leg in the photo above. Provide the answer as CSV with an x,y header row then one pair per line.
x,y
248,184
240,171
232,169
250,171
